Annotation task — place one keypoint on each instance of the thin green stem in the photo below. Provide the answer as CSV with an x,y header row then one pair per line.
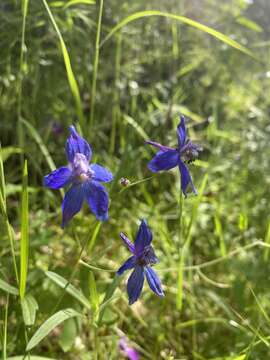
x,y
95,68
5,330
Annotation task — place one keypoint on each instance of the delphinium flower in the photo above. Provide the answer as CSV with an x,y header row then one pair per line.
x,y
83,178
168,157
128,351
142,259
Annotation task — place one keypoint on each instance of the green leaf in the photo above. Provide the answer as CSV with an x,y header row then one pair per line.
x,y
29,309
136,127
9,150
249,24
35,135
68,335
78,2
69,288
24,245
49,325
70,75
217,34
8,288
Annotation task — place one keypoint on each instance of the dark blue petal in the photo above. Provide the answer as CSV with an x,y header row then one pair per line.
x,y
72,203
153,281
76,144
186,179
159,146
164,160
100,173
135,284
127,242
129,264
181,132
58,178
97,198
143,237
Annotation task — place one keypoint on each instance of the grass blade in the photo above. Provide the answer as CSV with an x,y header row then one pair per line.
x,y
95,66
24,249
70,289
218,35
70,75
35,135
49,325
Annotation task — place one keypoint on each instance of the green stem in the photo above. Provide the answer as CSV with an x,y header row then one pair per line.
x,y
5,331
95,68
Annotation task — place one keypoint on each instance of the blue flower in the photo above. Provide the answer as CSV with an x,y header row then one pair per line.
x,y
168,158
84,180
143,257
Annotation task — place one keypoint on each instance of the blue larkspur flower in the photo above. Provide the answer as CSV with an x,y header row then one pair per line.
x,y
142,259
168,158
83,178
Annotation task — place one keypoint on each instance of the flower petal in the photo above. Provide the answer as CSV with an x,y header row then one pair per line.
x,y
100,173
164,160
186,179
76,144
131,353
129,264
98,200
159,146
72,203
58,178
143,237
181,132
127,242
153,281
135,284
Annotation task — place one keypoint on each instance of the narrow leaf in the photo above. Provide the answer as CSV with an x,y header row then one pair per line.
x,y
49,325
69,288
24,249
94,299
29,309
70,75
35,135
78,2
8,288
217,34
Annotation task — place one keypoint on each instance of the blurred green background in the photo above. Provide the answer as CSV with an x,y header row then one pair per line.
x,y
148,72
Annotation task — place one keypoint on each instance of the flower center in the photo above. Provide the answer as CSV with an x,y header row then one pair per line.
x,y
189,152
80,168
147,257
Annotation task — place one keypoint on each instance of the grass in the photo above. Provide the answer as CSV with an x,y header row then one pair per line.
x,y
121,72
